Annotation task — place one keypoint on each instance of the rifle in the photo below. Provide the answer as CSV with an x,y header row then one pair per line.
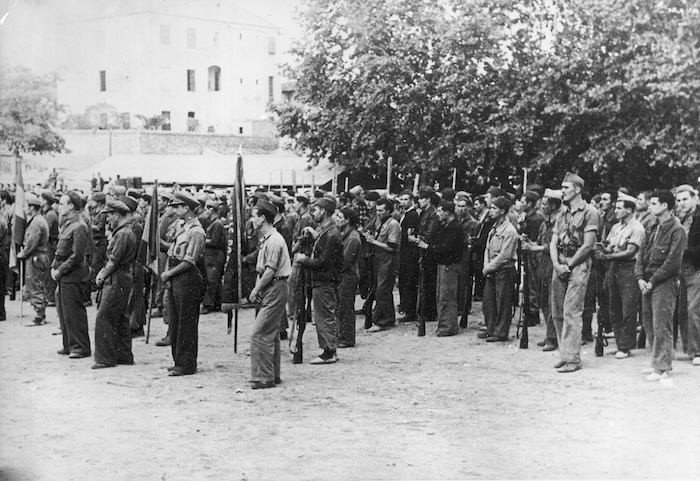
x,y
525,336
464,322
303,315
419,300
600,341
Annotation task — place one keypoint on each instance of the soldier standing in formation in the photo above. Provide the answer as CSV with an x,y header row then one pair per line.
x,y
36,239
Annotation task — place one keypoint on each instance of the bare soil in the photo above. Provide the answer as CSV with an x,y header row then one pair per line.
x,y
394,407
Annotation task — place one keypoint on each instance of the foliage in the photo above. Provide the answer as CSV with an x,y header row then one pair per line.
x,y
28,112
99,116
152,123
603,87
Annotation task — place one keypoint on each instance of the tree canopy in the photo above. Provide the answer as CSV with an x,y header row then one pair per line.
x,y
606,88
28,112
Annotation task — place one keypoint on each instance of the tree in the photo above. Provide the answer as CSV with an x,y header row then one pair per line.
x,y
152,123
28,112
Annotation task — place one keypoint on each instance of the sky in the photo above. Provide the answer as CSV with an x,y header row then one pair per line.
x,y
28,32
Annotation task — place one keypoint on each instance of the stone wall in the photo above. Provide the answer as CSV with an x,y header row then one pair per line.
x,y
159,142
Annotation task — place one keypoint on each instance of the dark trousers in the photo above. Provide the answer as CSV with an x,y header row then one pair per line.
x,y
447,288
137,307
185,295
99,258
533,285
384,313
466,284
214,263
346,309
409,275
624,301
73,317
368,286
112,333
428,304
498,301
4,261
49,283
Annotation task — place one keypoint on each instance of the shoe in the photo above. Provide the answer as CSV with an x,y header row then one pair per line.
x,y
344,345
63,352
542,343
283,336
278,380
261,384
483,335
171,368
622,355
156,312
126,363
376,328
406,318
38,321
647,370
569,367
496,339
57,333
559,364
137,333
164,342
180,372
586,339
655,376
325,358
99,365
445,334
549,346
79,355
696,361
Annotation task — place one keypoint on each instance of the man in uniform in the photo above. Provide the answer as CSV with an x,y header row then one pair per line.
x,y
368,267
70,270
214,257
47,210
427,230
325,265
112,332
657,270
36,238
136,306
270,294
642,214
98,220
529,230
573,242
689,289
409,256
185,286
500,257
620,251
385,244
446,253
470,227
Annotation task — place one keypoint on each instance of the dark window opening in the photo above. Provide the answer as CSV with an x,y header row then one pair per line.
x,y
271,88
103,81
190,80
214,78
166,119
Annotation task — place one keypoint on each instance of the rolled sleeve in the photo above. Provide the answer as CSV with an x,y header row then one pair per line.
x,y
195,246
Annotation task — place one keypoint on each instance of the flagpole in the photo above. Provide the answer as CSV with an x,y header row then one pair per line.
x,y
21,291
153,291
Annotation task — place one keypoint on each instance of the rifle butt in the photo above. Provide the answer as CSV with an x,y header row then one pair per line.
x,y
525,337
599,346
235,332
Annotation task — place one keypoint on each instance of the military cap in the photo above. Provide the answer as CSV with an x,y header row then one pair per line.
x,y
685,188
133,193
462,195
625,197
259,195
531,195
553,194
277,201
302,197
185,198
130,202
495,191
329,195
266,206
325,203
48,196
212,203
357,190
119,190
318,193
372,195
146,197
570,177
116,205
425,192
536,188
32,199
166,195
435,199
502,203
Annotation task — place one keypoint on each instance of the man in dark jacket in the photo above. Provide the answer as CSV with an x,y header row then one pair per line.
x,y
657,270
325,264
427,230
408,258
446,252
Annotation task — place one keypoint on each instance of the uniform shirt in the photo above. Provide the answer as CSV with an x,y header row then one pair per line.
x,y
531,223
36,237
72,245
501,246
99,224
273,253
544,238
90,248
121,252
621,235
389,233
646,218
573,222
188,245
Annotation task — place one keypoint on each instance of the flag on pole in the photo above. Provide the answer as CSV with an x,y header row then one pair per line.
x,y
19,220
149,245
236,242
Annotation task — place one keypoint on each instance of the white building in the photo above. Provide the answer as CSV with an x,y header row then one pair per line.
x,y
207,65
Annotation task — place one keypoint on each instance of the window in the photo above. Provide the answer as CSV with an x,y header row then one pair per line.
x,y
190,80
165,34
214,78
240,130
103,80
192,123
271,45
271,88
126,120
191,38
166,119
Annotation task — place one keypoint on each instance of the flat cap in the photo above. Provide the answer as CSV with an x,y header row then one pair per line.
x,y
372,195
570,177
116,205
685,188
130,202
267,206
553,194
536,188
32,199
185,198
48,196
99,197
326,203
357,190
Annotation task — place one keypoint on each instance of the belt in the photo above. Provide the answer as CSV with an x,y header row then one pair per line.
x,y
567,251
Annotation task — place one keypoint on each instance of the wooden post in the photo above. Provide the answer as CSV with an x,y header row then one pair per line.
x,y
334,185
294,181
454,179
525,170
347,183
389,166
416,182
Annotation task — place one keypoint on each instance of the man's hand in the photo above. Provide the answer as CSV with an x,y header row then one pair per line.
x,y
644,286
563,271
165,276
422,244
100,278
20,255
299,257
54,274
254,297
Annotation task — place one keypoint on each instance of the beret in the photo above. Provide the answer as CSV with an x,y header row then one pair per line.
x,y
130,202
116,205
133,193
570,177
99,197
266,206
49,197
628,198
373,196
502,203
318,194
553,194
326,203
32,199
185,198
146,197
685,188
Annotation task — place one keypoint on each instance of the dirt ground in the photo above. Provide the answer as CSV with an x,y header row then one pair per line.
x,y
394,407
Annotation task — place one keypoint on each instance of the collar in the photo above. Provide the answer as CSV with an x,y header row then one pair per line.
x,y
579,204
325,227
266,236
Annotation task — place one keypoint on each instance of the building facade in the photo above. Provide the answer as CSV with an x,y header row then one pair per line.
x,y
205,66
